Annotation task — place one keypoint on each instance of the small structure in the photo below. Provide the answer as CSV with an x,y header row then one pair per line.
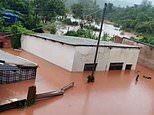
x,y
77,54
5,41
9,16
146,55
14,68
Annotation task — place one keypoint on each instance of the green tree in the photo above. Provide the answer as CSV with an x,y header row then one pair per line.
x,y
32,23
85,33
53,29
86,9
1,24
17,5
15,31
15,38
46,10
77,10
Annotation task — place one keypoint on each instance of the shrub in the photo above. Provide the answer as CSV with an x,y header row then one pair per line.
x,y
91,78
53,29
92,28
69,22
82,33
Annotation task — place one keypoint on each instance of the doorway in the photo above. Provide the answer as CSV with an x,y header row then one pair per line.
x,y
89,67
128,67
116,66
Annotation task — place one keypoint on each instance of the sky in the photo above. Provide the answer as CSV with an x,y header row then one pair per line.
x,y
124,3
137,1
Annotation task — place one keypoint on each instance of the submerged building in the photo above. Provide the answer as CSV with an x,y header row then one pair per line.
x,y
77,54
14,68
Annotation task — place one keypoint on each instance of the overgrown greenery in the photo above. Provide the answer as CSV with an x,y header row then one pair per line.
x,y
47,9
86,9
53,29
69,22
15,31
31,14
138,19
85,33
91,28
90,78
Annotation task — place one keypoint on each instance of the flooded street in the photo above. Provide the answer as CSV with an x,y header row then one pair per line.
x,y
113,92
108,27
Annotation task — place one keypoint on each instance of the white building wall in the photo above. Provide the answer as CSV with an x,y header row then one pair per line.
x,y
106,55
85,55
74,58
54,52
125,55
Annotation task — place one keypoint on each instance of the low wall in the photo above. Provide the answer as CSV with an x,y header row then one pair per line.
x,y
146,56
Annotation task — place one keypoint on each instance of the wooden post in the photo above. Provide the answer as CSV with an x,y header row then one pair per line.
x,y
31,96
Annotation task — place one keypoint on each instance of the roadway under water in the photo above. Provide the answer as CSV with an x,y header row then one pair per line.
x,y
112,93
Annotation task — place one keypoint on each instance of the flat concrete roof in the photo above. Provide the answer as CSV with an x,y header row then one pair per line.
x,y
78,41
16,60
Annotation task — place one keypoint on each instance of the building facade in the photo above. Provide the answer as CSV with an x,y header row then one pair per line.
x,y
77,54
146,55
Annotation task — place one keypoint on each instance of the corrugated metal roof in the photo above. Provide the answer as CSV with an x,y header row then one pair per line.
x,y
78,41
11,59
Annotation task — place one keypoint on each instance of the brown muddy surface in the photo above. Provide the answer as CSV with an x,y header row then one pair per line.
x,y
113,93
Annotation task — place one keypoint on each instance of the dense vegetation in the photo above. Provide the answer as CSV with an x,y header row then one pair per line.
x,y
87,10
36,14
82,33
32,14
138,19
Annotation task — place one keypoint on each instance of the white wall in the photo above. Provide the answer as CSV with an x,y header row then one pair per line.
x,y
54,52
106,56
85,55
74,58
125,55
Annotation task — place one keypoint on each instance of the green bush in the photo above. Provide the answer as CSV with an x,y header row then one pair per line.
x,y
92,28
147,39
82,33
91,78
50,27
16,30
53,29
71,33
69,22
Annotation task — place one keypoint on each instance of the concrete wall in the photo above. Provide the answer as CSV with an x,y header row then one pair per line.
x,y
125,55
106,56
74,58
85,55
54,52
146,55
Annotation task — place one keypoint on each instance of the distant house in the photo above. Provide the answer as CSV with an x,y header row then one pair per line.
x,y
9,17
77,54
14,68
5,40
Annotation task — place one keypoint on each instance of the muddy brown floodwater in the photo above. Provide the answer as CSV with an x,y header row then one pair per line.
x,y
113,92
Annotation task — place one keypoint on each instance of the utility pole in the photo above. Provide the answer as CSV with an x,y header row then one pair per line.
x,y
91,77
